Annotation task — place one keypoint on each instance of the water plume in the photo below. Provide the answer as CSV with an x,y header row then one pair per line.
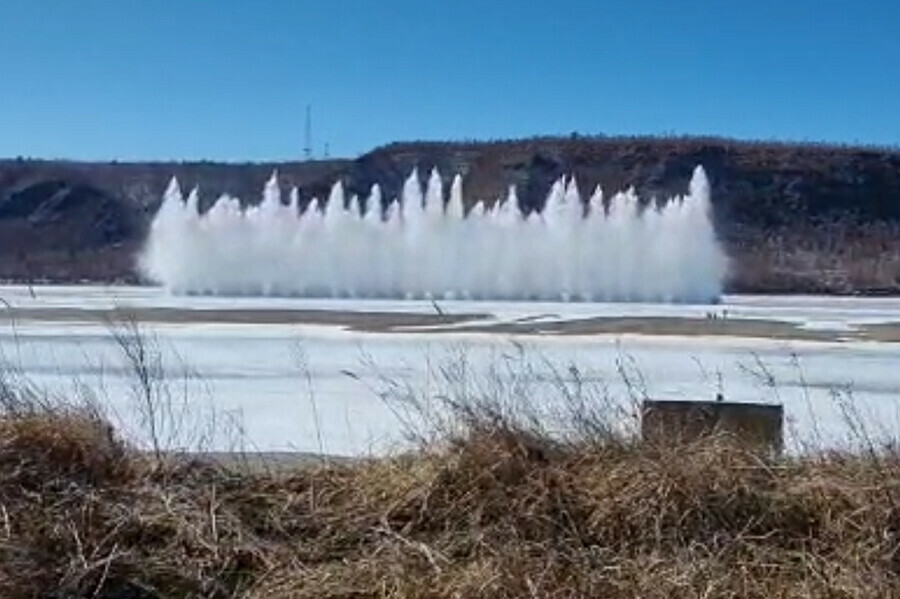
x,y
421,246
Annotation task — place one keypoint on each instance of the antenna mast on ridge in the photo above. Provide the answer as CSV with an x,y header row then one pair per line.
x,y
307,149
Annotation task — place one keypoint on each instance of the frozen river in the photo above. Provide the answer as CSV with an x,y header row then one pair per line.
x,y
289,374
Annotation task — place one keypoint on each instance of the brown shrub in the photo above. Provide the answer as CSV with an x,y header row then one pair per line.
x,y
71,447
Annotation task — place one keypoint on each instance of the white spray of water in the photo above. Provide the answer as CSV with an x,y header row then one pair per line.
x,y
420,247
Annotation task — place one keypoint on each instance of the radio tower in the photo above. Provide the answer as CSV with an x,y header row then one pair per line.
x,y
307,149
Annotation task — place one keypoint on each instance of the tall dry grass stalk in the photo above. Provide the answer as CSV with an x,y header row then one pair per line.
x,y
175,413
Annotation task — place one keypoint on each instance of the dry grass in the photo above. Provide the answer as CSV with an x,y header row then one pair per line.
x,y
498,509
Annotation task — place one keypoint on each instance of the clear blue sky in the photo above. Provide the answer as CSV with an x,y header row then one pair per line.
x,y
229,79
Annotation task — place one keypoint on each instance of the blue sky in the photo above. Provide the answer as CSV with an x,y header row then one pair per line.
x,y
229,79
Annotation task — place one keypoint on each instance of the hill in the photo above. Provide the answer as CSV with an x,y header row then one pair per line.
x,y
66,221
792,217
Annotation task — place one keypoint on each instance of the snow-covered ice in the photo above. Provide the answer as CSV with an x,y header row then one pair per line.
x,y
271,379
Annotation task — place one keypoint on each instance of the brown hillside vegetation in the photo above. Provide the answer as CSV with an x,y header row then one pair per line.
x,y
792,217
497,510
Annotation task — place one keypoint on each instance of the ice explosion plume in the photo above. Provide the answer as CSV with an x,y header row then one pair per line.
x,y
420,246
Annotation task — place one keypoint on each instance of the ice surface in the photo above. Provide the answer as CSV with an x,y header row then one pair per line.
x,y
259,376
814,312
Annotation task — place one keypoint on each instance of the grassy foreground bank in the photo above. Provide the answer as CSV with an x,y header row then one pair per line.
x,y
496,509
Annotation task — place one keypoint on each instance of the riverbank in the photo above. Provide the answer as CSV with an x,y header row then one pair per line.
x,y
499,508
